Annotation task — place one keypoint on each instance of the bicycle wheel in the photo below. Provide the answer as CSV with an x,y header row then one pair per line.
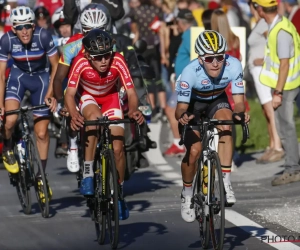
x,y
217,209
201,217
112,216
35,167
23,186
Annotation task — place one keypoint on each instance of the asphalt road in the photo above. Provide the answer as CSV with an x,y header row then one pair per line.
x,y
153,196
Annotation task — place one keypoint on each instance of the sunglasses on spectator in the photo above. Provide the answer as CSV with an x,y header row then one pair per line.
x,y
27,26
210,59
106,56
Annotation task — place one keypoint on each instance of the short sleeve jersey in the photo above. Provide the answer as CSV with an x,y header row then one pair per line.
x,y
88,81
71,49
195,84
30,58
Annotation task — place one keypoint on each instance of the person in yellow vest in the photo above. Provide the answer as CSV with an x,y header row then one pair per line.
x,y
281,72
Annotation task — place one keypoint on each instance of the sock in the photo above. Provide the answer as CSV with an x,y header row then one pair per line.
x,y
7,144
88,169
226,171
187,188
121,189
176,142
44,164
73,142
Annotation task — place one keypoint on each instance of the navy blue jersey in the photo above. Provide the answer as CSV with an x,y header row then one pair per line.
x,y
30,58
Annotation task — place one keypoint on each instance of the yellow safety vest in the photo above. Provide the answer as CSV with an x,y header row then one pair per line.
x,y
270,70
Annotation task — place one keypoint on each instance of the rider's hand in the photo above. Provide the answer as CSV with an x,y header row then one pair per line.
x,y
138,116
185,118
77,121
63,112
241,117
51,103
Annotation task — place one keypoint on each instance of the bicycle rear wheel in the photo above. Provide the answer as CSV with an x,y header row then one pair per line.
x,y
35,167
217,208
202,218
23,185
112,216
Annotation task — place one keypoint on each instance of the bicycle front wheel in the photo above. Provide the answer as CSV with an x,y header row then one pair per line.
x,y
112,216
35,166
23,186
217,207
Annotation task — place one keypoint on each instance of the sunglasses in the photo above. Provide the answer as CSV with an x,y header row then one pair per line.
x,y
210,59
22,26
106,56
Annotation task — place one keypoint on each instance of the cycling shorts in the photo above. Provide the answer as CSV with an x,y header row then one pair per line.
x,y
37,84
110,105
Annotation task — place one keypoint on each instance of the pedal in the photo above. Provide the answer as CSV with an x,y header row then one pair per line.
x,y
199,199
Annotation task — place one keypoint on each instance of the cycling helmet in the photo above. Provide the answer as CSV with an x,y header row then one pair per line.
x,y
22,14
58,18
210,42
41,12
98,42
95,16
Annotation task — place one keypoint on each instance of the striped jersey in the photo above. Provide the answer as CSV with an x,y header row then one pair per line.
x,y
87,80
30,58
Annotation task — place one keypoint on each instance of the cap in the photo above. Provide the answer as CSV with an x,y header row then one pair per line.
x,y
292,2
185,14
266,3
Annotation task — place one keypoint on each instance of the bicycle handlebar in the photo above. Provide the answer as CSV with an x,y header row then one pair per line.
x,y
24,109
246,134
104,121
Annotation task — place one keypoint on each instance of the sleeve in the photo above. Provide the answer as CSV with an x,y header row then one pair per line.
x,y
4,48
76,70
237,83
285,45
125,76
70,51
47,42
184,85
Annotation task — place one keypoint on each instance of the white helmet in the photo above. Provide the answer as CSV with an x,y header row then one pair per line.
x,y
22,14
95,16
58,18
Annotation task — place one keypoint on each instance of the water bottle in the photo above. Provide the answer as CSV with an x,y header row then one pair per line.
x,y
21,150
204,178
145,108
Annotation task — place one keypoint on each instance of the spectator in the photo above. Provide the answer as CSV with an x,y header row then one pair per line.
x,y
185,21
256,42
293,9
232,13
145,24
281,72
42,17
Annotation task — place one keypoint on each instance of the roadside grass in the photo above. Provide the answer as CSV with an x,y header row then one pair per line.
x,y
259,138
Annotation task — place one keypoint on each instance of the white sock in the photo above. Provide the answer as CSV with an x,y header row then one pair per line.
x,y
176,142
226,177
187,191
88,169
73,142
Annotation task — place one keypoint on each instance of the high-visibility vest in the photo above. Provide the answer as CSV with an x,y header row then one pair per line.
x,y
270,70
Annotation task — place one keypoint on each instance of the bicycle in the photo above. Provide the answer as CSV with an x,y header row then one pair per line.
x,y
103,204
208,191
30,164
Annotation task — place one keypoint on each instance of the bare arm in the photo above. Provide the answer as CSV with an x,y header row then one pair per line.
x,y
180,109
54,62
133,101
135,31
61,74
283,73
2,82
239,104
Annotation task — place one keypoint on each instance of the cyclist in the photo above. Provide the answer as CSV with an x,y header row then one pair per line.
x,y
30,47
92,16
94,79
201,90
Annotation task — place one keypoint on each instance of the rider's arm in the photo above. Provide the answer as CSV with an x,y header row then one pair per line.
x,y
181,108
61,74
54,62
237,86
4,51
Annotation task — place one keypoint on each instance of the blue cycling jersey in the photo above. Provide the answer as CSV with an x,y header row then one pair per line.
x,y
30,58
194,83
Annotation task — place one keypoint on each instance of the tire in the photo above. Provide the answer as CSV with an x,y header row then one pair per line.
x,y
200,215
112,193
35,164
217,211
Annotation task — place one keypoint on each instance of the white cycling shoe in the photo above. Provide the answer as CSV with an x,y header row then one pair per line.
x,y
72,160
187,213
230,198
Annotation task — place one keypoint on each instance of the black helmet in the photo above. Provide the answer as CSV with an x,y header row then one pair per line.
x,y
41,12
98,42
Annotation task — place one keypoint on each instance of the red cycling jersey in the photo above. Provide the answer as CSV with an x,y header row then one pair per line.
x,y
100,89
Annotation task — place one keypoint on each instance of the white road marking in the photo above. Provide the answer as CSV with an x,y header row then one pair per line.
x,y
258,231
